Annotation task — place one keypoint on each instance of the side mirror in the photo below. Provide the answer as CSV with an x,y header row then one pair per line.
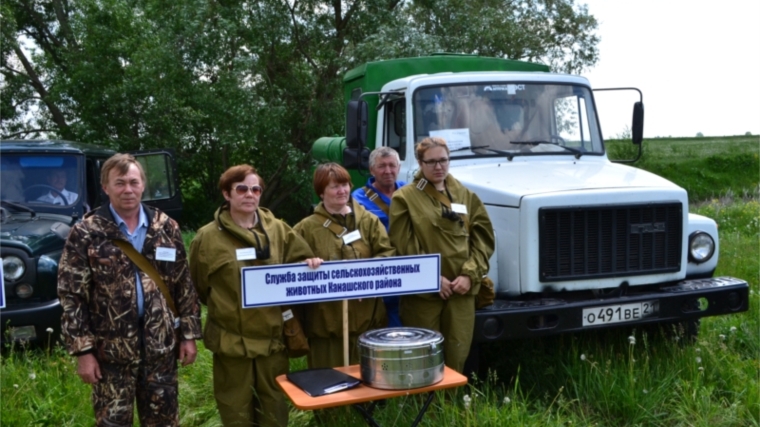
x,y
356,158
356,124
637,125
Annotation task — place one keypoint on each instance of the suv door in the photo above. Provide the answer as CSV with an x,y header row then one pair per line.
x,y
162,186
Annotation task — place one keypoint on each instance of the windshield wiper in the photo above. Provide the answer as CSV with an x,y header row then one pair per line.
x,y
477,147
18,207
578,153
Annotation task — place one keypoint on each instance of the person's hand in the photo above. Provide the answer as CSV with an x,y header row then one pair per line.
x,y
187,352
446,290
314,263
88,368
461,285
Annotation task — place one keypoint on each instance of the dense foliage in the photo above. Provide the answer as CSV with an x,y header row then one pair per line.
x,y
235,81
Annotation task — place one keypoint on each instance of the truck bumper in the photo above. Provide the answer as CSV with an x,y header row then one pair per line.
x,y
30,322
559,313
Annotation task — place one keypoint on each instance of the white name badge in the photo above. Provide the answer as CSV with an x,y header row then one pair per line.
x,y
287,315
459,208
352,237
166,254
245,254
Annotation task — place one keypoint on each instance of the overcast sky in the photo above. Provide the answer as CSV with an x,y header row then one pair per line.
x,y
696,62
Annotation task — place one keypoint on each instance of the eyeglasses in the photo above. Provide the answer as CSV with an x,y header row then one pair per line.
x,y
242,189
433,163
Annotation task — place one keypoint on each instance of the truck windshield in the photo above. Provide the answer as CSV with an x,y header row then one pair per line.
x,y
517,119
40,181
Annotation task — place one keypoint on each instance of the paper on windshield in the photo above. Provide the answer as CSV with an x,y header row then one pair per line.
x,y
455,138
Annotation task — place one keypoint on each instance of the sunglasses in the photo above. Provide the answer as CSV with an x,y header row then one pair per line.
x,y
242,189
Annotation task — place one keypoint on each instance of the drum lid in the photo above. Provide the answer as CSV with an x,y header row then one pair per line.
x,y
400,337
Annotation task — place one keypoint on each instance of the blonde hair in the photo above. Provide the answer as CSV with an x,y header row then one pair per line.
x,y
428,143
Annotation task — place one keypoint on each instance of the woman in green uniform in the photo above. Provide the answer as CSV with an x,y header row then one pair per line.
x,y
437,214
247,343
340,229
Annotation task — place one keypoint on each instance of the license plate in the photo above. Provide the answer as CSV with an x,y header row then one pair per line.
x,y
619,313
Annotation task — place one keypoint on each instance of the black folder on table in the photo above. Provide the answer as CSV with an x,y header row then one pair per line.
x,y
321,381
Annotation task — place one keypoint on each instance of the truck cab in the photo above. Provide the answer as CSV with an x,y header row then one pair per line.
x,y
46,187
581,242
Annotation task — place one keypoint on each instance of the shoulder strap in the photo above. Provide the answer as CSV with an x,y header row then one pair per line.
x,y
336,228
364,249
144,265
376,199
422,184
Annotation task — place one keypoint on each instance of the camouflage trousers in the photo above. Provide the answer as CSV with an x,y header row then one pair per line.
x,y
153,384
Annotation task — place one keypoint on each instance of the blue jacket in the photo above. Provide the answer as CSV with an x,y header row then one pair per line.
x,y
369,205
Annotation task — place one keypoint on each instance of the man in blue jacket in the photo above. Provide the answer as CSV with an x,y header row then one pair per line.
x,y
384,166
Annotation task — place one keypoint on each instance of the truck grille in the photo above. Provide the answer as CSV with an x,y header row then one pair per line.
x,y
609,241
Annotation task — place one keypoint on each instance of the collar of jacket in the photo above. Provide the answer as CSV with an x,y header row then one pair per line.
x,y
450,181
356,209
104,217
225,222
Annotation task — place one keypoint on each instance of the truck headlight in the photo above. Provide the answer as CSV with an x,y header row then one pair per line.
x,y
701,247
13,268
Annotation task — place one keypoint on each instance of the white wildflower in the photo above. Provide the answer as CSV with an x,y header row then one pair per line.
x,y
699,359
701,369
15,385
583,357
733,329
49,330
32,376
632,340
507,400
645,391
697,350
722,337
467,401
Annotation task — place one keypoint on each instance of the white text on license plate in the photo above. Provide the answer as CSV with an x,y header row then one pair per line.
x,y
619,313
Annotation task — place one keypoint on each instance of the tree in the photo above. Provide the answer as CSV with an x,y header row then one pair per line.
x,y
231,82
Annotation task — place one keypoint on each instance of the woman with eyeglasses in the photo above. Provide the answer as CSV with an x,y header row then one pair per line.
x,y
437,214
247,343
341,229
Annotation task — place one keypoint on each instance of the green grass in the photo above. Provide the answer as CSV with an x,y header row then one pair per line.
x,y
706,167
584,379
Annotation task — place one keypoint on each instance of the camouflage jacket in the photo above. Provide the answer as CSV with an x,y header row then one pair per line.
x,y
96,285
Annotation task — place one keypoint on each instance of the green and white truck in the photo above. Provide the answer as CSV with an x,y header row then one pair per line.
x,y
581,242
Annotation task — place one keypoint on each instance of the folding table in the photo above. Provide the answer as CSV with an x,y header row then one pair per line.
x,y
363,393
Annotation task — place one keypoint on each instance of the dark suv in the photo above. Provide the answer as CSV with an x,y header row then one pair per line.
x,y
45,188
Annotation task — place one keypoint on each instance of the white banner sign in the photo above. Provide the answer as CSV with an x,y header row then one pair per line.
x,y
286,284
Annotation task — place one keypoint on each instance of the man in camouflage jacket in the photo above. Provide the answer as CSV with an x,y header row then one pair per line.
x,y
127,346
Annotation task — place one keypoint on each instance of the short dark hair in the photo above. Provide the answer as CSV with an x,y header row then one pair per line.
x,y
235,174
120,162
326,172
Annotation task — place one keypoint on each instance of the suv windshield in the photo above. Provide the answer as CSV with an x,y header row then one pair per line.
x,y
40,180
513,119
